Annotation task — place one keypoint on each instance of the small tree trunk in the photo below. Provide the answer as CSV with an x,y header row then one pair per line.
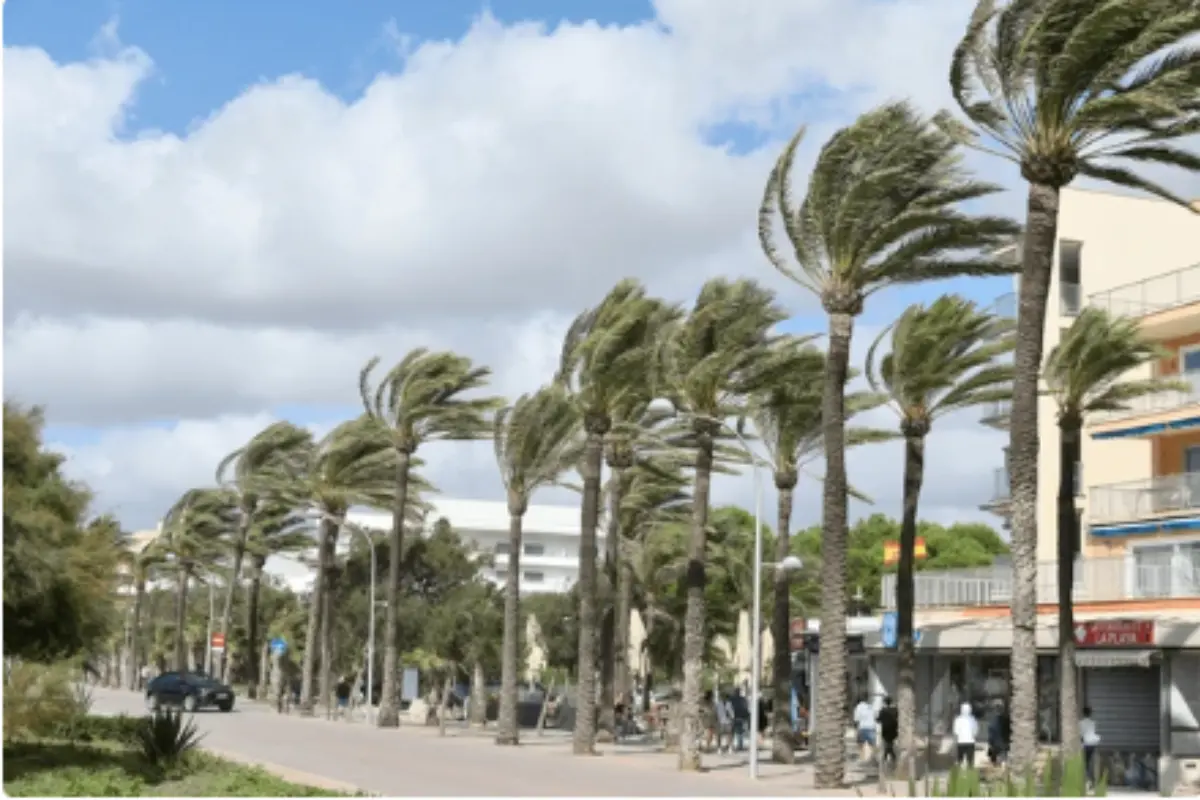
x,y
135,656
625,586
259,685
606,730
1068,549
507,732
914,476
239,552
444,703
783,745
312,636
181,620
327,623
694,640
389,703
478,715
583,741
257,672
1040,239
541,722
277,683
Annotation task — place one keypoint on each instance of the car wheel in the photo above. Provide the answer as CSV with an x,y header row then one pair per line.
x,y
152,703
226,706
189,703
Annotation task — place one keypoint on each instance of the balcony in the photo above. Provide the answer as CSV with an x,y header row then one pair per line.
x,y
1070,299
997,414
1152,499
998,504
1161,302
1156,411
1005,306
1097,580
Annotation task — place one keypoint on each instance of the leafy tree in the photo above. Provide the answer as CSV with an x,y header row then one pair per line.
x,y
787,417
709,362
1084,375
58,568
601,354
943,359
1065,88
558,624
242,473
536,441
420,400
466,632
881,210
141,565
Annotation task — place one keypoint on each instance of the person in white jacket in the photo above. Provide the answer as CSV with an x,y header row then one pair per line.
x,y
966,728
1090,737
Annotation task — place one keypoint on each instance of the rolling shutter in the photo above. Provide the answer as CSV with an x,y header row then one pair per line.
x,y
1125,707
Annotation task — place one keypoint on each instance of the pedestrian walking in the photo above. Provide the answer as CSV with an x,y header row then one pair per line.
x,y
889,730
999,733
864,724
342,692
966,728
1090,737
741,719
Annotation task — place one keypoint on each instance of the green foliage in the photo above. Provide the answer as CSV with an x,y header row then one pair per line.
x,y
467,627
42,699
122,729
1058,779
557,618
59,569
168,737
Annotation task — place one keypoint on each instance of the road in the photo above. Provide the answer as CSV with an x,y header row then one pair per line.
x,y
414,760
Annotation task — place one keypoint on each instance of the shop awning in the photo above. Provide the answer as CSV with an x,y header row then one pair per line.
x,y
1101,659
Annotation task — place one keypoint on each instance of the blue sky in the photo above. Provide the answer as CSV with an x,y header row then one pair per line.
x,y
207,54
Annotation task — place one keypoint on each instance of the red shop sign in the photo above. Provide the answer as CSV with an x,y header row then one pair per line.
x,y
1114,633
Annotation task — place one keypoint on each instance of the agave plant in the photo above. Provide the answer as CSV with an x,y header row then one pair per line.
x,y
168,737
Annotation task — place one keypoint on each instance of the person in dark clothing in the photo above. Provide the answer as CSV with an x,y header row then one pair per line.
x,y
999,732
889,729
741,719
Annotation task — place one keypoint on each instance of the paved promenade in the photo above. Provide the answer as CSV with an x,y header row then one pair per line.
x,y
414,760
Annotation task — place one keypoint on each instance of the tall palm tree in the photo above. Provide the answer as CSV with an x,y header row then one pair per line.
x,y
241,472
1084,373
944,358
420,400
880,210
708,363
787,418
142,565
599,365
537,440
1064,88
195,532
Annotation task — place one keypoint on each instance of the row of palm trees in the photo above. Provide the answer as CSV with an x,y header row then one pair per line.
x,y
1060,89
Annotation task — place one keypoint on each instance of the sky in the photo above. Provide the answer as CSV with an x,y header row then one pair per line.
x,y
216,212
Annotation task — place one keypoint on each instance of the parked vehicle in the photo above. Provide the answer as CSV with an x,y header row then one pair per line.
x,y
189,691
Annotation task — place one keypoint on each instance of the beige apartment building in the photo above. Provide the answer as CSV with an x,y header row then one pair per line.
x,y
1137,580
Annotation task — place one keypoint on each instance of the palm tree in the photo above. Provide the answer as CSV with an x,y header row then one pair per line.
x,y
600,358
419,401
880,211
943,359
1064,88
194,534
142,565
1083,373
537,440
709,362
241,472
787,417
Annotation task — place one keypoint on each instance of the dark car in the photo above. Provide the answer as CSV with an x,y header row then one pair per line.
x,y
188,690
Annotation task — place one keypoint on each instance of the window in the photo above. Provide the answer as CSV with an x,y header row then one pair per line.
x,y
1152,570
1189,359
535,549
501,549
1069,276
533,577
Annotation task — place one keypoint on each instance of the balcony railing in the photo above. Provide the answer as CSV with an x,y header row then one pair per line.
x,y
1161,496
1000,485
997,413
1070,299
1159,401
1097,580
1005,306
1159,293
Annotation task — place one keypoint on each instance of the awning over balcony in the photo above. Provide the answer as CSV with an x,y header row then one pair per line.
x,y
1114,659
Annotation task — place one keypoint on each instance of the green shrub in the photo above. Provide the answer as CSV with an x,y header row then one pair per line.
x,y
40,700
78,782
123,729
167,737
1059,779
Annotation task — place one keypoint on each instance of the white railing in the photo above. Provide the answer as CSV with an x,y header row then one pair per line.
x,y
1159,401
1159,293
1150,498
1070,299
1000,485
1096,580
996,413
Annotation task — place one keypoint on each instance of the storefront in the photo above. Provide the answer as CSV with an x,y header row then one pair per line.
x,y
806,661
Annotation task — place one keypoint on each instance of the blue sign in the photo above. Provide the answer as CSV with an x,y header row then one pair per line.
x,y
889,631
278,646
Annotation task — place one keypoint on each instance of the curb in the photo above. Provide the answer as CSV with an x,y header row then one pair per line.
x,y
288,773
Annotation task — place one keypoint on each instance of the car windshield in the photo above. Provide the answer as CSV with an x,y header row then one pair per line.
x,y
202,680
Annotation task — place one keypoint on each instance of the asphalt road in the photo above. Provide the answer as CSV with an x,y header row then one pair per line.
x,y
415,761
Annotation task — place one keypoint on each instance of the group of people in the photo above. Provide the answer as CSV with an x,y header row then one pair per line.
x,y
728,720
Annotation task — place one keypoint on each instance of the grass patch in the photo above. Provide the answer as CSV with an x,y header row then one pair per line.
x,y
107,768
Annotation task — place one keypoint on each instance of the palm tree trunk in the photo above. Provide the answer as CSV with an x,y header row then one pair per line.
x,y
259,687
181,620
783,748
607,727
252,628
1068,548
506,718
478,716
444,703
239,553
647,661
313,632
389,703
1041,230
139,598
330,537
914,477
584,738
829,754
622,679
694,617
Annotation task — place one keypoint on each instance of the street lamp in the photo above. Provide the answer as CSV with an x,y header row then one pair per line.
x,y
664,405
